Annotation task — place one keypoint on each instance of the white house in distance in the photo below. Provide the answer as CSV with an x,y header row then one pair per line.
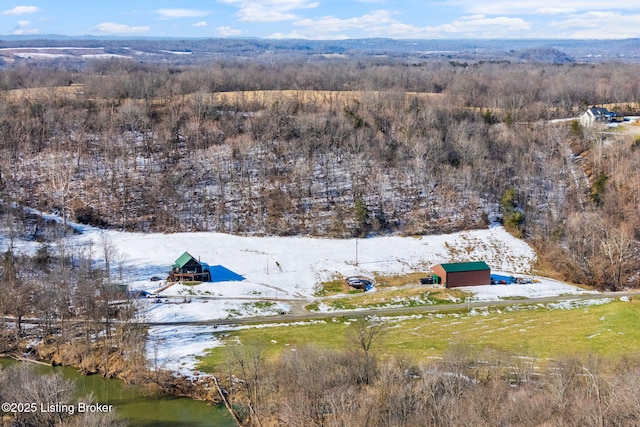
x,y
595,115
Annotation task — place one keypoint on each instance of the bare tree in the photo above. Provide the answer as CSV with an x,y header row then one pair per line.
x,y
249,361
60,173
363,335
24,385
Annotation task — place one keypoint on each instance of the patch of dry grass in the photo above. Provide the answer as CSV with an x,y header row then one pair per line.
x,y
398,280
43,92
262,98
332,287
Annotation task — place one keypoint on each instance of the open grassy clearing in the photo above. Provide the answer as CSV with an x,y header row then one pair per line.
x,y
398,291
259,97
41,92
313,97
608,330
301,96
338,285
406,297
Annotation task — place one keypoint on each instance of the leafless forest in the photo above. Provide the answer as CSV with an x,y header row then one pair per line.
x,y
332,148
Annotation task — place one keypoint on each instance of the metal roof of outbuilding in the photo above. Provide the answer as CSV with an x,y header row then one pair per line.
x,y
457,267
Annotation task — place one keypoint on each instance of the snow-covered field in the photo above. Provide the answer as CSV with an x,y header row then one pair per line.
x,y
290,268
293,266
542,288
286,269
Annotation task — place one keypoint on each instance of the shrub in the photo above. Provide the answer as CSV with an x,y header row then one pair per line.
x,y
598,189
576,128
512,217
89,216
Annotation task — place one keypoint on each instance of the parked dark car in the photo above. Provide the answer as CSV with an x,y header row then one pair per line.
x,y
359,283
426,280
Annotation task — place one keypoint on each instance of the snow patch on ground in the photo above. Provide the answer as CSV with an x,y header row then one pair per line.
x,y
175,348
541,288
200,310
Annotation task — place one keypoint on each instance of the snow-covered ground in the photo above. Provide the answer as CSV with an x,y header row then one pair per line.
x,y
293,266
286,269
542,287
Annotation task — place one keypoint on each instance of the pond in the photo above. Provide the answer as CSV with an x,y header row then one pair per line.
x,y
137,405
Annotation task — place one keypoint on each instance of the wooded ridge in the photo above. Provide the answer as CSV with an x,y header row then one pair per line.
x,y
332,149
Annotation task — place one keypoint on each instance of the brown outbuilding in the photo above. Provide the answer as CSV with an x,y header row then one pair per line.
x,y
457,274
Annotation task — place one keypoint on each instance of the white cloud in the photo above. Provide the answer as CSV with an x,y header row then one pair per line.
x,y
23,31
22,28
554,11
181,13
331,24
269,10
258,14
299,35
482,26
598,25
228,31
21,10
113,28
200,24
589,20
532,7
381,23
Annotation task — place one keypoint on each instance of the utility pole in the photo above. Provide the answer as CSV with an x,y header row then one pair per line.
x,y
356,251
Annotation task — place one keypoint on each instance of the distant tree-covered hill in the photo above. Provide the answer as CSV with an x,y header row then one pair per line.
x,y
206,50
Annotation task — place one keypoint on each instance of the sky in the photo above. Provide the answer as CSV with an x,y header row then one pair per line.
x,y
325,19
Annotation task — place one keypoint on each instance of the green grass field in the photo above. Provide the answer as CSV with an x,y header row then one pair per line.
x,y
391,291
609,330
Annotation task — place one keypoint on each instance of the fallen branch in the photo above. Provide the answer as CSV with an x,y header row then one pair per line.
x,y
225,401
25,359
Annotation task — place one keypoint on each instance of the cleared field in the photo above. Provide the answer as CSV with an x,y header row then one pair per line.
x,y
624,106
608,330
259,97
267,98
312,96
43,92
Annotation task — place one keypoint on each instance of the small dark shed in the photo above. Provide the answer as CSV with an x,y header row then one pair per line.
x,y
456,274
